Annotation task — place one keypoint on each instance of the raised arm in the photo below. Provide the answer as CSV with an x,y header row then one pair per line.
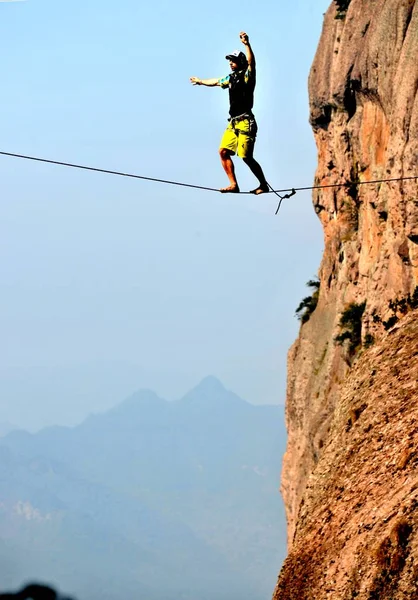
x,y
207,82
249,51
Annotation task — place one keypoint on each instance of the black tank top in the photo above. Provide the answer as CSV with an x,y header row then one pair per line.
x,y
241,92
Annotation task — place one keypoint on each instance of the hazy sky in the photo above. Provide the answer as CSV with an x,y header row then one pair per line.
x,y
108,284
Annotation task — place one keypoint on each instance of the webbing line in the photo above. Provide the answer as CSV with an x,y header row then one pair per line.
x,y
288,192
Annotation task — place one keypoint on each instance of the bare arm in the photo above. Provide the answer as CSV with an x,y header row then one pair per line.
x,y
249,51
207,82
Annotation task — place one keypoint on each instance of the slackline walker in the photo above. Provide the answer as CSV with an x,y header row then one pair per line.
x,y
239,136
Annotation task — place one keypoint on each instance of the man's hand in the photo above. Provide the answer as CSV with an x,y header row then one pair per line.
x,y
244,38
207,82
248,51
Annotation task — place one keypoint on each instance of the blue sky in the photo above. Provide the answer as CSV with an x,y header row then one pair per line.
x,y
142,283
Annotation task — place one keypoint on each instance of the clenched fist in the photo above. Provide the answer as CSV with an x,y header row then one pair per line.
x,y
244,38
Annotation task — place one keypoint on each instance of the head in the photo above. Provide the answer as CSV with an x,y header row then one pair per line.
x,y
237,60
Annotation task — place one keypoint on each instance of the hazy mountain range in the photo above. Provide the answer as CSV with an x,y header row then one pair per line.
x,y
152,499
6,427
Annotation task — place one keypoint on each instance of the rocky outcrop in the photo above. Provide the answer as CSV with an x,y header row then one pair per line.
x,y
364,113
357,527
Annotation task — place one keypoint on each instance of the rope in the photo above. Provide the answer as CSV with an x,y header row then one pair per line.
x,y
293,192
348,184
288,192
120,173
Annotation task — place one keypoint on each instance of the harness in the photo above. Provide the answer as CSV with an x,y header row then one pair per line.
x,y
245,116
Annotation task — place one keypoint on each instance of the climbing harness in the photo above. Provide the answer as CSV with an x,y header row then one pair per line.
x,y
252,129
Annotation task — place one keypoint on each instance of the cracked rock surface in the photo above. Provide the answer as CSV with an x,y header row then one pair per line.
x,y
357,530
364,113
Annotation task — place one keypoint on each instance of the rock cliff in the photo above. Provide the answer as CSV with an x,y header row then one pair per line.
x,y
349,473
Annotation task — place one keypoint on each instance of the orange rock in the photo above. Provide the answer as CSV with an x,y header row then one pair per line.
x,y
364,113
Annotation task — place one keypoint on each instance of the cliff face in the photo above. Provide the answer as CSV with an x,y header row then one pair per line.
x,y
357,527
364,113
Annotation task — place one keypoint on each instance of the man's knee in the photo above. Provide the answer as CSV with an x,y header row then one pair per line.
x,y
249,160
225,153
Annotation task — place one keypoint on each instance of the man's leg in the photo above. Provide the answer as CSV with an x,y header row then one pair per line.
x,y
229,169
246,141
258,172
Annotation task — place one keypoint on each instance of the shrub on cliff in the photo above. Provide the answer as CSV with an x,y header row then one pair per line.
x,y
342,7
399,308
308,304
350,325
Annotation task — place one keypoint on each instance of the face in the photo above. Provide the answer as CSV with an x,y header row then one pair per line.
x,y
233,65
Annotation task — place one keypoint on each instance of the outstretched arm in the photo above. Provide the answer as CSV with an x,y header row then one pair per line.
x,y
207,82
249,51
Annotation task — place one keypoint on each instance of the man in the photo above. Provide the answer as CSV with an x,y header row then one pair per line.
x,y
239,136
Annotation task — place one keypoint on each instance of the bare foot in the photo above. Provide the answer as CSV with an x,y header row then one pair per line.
x,y
262,189
231,189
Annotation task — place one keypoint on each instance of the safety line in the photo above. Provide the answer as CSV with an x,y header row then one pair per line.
x,y
201,187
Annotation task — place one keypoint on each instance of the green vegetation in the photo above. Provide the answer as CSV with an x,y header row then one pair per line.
x,y
350,325
342,7
399,306
308,304
368,340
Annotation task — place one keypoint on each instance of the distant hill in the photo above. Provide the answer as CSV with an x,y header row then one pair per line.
x,y
6,427
174,500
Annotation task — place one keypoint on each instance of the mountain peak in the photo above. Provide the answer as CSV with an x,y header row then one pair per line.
x,y
211,393
139,405
210,384
139,400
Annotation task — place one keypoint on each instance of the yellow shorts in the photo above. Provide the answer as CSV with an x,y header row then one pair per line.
x,y
240,138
